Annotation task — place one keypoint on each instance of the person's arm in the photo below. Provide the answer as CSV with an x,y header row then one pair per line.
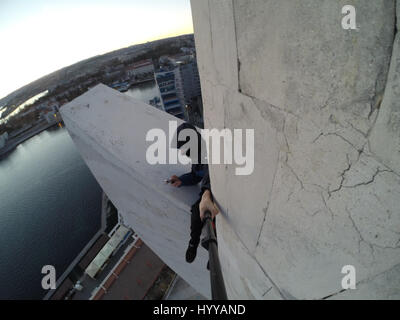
x,y
205,183
207,200
189,179
207,204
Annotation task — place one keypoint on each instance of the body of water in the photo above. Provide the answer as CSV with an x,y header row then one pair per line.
x,y
50,207
144,92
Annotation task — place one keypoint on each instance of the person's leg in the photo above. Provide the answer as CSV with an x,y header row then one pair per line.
x,y
196,225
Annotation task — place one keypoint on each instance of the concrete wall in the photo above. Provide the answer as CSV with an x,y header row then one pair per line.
x,y
324,103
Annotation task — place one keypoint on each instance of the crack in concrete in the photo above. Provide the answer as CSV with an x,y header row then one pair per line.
x,y
287,143
272,106
267,291
376,158
359,233
265,210
363,281
268,202
362,239
337,135
236,45
333,294
371,180
326,205
252,255
317,138
356,129
342,176
268,277
211,32
295,175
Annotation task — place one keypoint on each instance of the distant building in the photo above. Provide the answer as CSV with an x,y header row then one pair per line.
x,y
142,68
183,85
180,58
3,139
187,82
20,115
51,117
163,60
188,50
64,100
169,97
113,75
54,105
41,106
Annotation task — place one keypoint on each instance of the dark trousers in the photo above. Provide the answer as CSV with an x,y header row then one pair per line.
x,y
196,225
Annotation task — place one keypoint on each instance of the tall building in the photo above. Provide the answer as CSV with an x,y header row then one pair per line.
x,y
168,91
179,85
187,82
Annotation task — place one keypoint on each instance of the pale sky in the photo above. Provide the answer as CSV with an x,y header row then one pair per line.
x,y
40,36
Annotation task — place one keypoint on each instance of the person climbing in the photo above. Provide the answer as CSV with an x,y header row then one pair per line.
x,y
199,173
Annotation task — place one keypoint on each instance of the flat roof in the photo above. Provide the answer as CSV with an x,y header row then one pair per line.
x,y
105,253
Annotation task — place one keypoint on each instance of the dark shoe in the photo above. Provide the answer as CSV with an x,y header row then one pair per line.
x,y
191,253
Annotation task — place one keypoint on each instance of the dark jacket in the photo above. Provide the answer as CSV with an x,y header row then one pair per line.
x,y
198,173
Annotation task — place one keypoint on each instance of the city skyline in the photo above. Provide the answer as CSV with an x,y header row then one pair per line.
x,y
97,27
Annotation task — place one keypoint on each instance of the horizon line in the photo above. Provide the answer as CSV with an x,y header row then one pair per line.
x,y
97,55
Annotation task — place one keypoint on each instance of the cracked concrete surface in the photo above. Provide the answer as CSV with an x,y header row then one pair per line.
x,y
324,105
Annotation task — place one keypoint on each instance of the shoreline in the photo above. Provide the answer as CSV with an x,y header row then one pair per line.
x,y
141,82
24,137
38,128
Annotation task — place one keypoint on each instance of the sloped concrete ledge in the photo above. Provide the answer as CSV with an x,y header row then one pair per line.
x,y
109,130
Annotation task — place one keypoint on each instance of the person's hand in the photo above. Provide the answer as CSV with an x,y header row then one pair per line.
x,y
175,182
206,204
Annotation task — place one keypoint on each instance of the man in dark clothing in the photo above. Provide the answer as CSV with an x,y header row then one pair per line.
x,y
198,173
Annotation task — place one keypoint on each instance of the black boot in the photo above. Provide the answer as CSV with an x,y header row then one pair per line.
x,y
191,252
